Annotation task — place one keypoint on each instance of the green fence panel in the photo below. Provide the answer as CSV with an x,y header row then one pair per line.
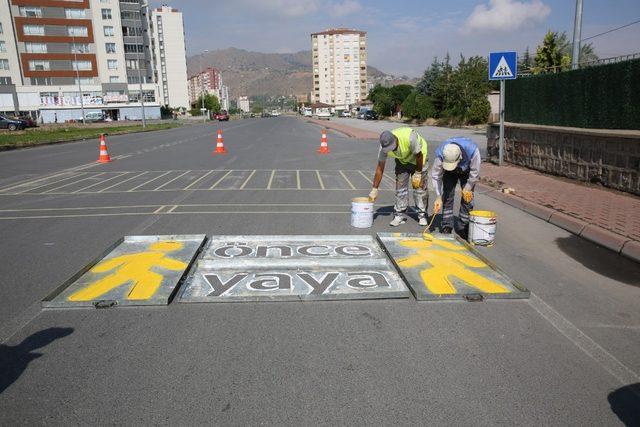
x,y
601,97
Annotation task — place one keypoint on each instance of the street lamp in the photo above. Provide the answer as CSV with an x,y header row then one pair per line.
x,y
202,110
144,116
75,60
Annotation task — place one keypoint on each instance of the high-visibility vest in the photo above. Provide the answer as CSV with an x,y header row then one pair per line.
x,y
403,151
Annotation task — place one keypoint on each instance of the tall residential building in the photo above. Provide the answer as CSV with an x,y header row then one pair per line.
x,y
58,56
339,67
210,81
170,57
243,104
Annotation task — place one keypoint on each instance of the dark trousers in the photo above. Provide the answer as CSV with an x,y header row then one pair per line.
x,y
449,182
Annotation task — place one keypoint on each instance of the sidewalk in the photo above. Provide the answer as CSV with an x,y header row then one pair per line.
x,y
608,218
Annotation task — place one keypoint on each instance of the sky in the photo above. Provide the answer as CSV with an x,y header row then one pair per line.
x,y
403,36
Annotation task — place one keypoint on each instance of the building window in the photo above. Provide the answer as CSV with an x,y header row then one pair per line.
x,y
74,13
5,80
77,31
106,13
41,81
36,47
110,47
114,79
3,46
33,30
31,11
81,65
131,31
4,64
108,31
132,64
1,30
36,65
130,14
133,48
80,48
112,64
84,81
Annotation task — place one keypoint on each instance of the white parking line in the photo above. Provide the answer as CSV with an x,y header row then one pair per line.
x,y
151,180
273,172
73,176
298,186
347,179
121,182
198,180
220,180
171,180
320,179
248,179
72,183
98,183
365,177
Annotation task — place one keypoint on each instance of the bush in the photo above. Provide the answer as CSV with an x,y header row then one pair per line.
x,y
479,111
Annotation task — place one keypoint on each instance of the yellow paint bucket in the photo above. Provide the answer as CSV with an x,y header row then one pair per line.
x,y
482,227
361,212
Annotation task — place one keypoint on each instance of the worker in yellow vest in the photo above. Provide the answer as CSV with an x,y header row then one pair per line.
x,y
409,150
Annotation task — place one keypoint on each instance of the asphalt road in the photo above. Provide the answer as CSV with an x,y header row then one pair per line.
x,y
567,356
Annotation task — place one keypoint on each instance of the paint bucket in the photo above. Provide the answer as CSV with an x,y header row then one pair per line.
x,y
482,227
361,212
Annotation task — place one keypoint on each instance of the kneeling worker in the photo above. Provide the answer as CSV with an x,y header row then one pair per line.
x,y
409,150
457,160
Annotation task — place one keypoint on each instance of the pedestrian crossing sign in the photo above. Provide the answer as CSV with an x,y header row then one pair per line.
x,y
503,65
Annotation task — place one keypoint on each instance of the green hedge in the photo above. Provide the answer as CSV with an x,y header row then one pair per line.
x,y
601,97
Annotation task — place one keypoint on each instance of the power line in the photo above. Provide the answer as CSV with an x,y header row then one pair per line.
x,y
611,30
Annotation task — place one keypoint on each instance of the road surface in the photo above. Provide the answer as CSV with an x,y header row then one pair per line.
x,y
567,355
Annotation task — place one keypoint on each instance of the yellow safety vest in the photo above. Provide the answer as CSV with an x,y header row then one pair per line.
x,y
403,151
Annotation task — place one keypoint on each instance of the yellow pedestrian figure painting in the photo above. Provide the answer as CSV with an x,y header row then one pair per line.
x,y
141,270
134,270
438,268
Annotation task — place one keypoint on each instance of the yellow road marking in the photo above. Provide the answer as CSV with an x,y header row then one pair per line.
x,y
320,179
347,179
220,180
248,179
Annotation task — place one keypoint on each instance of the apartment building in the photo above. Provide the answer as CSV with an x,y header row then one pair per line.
x,y
339,58
244,104
169,53
60,57
208,80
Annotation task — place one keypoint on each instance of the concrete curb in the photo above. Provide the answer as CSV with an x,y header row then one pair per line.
x,y
351,132
619,244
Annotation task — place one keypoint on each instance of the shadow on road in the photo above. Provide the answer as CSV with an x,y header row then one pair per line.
x,y
625,403
14,360
600,260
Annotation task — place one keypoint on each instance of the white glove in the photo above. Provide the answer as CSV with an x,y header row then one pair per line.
x,y
373,195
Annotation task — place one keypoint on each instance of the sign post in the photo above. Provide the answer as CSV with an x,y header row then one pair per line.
x,y
502,66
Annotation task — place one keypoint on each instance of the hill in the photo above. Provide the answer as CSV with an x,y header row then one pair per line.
x,y
270,74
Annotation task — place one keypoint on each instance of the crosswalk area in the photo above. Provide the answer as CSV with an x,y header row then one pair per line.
x,y
90,182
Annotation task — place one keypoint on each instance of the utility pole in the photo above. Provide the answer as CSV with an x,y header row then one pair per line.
x,y
202,110
577,30
144,116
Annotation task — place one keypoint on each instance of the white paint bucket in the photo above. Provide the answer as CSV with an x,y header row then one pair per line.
x,y
361,212
482,227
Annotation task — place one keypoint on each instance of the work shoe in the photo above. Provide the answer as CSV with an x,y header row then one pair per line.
x,y
422,220
398,220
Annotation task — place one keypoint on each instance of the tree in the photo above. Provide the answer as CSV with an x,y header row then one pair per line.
x,y
211,103
587,53
525,61
479,111
426,85
548,55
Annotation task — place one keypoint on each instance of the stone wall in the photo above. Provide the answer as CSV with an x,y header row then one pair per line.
x,y
609,157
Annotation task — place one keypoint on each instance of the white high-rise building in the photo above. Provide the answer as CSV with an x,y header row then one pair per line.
x,y
170,56
339,67
244,104
60,57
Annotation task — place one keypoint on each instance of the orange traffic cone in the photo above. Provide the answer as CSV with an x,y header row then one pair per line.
x,y
324,147
104,154
220,144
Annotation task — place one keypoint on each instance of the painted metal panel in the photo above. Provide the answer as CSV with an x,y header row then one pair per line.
x,y
136,270
286,268
445,267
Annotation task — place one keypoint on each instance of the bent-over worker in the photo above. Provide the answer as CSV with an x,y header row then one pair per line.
x,y
457,160
409,150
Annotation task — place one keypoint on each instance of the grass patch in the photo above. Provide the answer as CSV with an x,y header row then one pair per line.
x,y
37,136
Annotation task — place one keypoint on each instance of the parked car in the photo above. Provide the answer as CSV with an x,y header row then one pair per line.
x,y
323,114
94,116
346,113
222,116
31,123
275,113
360,114
370,115
12,124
